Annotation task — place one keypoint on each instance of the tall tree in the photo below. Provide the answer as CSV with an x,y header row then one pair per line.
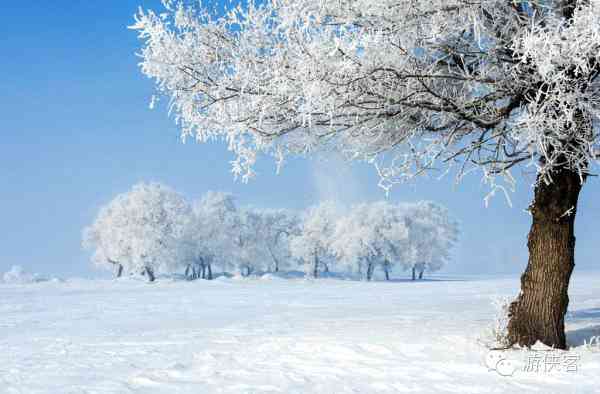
x,y
412,86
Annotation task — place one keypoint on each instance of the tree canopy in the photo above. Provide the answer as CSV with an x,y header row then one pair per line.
x,y
410,85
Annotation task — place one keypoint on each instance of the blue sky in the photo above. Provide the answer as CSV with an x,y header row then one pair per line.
x,y
76,129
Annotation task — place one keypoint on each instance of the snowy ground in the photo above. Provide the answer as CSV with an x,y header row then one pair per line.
x,y
274,336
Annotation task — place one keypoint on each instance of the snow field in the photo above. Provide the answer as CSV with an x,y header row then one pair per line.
x,y
274,336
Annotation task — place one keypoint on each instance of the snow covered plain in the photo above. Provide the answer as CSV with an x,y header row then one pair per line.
x,y
274,336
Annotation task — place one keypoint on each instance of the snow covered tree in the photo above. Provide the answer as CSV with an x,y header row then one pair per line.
x,y
198,248
432,233
312,246
411,86
140,231
247,252
371,235
239,239
277,227
209,235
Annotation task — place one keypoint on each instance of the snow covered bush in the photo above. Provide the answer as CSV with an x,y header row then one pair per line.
x,y
497,335
140,231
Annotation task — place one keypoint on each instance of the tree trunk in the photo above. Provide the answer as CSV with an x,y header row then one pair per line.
x,y
539,310
414,276
187,272
316,267
150,274
387,273
370,269
120,271
421,273
203,271
275,260
210,276
248,271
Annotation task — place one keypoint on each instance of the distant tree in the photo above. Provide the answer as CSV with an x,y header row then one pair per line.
x,y
198,251
413,86
371,235
209,236
277,227
312,246
432,234
240,239
140,231
249,253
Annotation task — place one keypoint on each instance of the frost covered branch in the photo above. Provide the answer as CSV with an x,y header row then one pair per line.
x,y
409,85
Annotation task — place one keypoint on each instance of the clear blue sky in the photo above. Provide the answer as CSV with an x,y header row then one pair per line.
x,y
76,130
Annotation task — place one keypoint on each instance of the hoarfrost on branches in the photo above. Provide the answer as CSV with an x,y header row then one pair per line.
x,y
140,231
411,86
312,246
370,236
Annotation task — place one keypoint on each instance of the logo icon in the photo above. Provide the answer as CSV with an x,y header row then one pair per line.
x,y
496,360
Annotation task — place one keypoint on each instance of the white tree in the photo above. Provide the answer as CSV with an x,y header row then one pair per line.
x,y
243,239
312,246
199,246
277,227
371,235
209,239
140,231
432,234
411,86
248,253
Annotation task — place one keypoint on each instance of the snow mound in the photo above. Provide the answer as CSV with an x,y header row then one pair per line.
x,y
271,277
17,275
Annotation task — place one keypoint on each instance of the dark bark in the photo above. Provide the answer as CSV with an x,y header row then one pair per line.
x,y
119,267
187,272
421,273
210,275
370,269
247,269
316,267
387,273
150,274
414,273
539,310
203,271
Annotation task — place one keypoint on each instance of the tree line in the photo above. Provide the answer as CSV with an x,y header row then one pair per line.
x,y
153,229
